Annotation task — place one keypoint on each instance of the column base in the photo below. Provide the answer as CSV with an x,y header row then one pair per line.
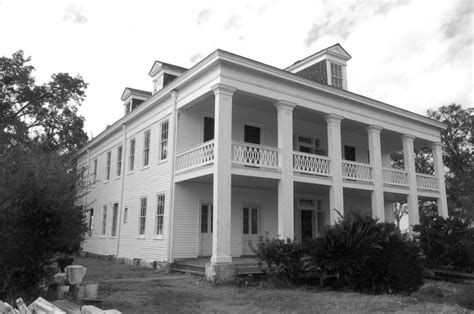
x,y
221,259
218,273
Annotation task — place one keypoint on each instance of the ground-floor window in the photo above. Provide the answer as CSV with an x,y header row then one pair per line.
x,y
142,220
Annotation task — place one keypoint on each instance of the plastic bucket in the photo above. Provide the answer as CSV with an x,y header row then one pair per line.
x,y
74,274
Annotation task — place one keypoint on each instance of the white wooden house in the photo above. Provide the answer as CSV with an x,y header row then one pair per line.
x,y
233,149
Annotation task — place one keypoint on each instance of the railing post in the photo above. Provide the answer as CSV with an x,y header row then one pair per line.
x,y
439,173
336,196
375,153
285,185
412,199
222,184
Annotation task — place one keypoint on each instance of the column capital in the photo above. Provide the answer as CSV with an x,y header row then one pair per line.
x,y
333,118
374,128
436,145
124,127
285,105
408,137
174,95
220,88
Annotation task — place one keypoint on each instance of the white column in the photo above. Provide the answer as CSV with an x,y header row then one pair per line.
x,y
122,185
439,172
412,199
336,196
172,135
375,153
286,228
222,186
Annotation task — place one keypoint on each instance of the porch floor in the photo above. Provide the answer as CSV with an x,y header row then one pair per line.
x,y
245,265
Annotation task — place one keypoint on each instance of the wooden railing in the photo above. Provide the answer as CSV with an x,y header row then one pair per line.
x,y
311,163
356,171
248,154
195,157
395,176
427,182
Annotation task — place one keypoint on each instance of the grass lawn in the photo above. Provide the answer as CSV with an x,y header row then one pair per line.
x,y
166,293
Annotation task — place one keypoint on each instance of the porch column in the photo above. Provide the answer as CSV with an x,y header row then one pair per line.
x,y
336,196
222,186
412,199
439,172
286,228
375,153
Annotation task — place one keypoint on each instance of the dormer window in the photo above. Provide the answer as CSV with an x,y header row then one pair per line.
x,y
336,75
127,107
132,98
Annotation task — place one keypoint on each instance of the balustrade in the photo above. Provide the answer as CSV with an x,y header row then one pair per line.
x,y
427,182
356,171
395,176
196,157
311,163
254,155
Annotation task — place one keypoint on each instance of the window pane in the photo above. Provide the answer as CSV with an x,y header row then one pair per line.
x,y
246,221
254,221
114,220
204,213
208,129
251,134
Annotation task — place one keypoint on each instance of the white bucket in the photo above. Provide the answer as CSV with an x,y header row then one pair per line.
x,y
61,290
74,274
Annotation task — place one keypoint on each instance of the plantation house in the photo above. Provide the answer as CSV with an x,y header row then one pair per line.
x,y
233,149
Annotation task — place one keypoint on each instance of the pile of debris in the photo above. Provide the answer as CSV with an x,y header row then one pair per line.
x,y
72,297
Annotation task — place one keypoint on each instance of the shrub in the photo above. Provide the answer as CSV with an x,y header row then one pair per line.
x,y
365,256
445,241
281,259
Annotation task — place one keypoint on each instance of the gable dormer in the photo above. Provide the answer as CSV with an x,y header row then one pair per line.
x,y
132,98
163,73
328,66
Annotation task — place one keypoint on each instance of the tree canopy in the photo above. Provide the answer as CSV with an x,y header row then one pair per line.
x,y
45,112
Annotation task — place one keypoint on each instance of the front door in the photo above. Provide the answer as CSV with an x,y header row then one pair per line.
x,y
250,230
206,227
306,224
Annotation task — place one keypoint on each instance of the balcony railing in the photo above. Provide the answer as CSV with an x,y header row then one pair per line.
x,y
395,176
427,182
196,157
311,164
254,155
356,171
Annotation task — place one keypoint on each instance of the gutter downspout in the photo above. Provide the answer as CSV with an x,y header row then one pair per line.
x,y
174,119
122,184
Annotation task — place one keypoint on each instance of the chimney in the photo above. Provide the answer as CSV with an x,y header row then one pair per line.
x,y
328,66
132,98
164,73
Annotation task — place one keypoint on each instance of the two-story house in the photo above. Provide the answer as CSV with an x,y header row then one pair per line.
x,y
233,149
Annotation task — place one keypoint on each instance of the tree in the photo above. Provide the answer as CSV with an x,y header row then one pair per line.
x,y
46,112
399,211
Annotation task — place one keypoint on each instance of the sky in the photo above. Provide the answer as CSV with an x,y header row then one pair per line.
x,y
413,54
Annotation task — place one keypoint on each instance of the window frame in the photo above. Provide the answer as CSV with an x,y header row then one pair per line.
x,y
104,220
131,155
337,77
146,148
142,217
115,208
118,172
108,165
94,174
164,137
160,214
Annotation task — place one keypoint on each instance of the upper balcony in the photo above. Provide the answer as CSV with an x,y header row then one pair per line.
x,y
254,146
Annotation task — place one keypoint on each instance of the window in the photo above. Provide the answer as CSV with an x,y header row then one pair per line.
x,y
107,167
164,141
336,75
91,221
208,129
206,218
251,134
114,219
142,220
146,148
94,173
119,161
349,153
104,219
127,107
160,211
125,215
131,161
250,225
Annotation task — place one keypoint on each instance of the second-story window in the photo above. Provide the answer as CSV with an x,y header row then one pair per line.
x,y
146,149
94,173
164,141
336,75
107,167
119,161
131,158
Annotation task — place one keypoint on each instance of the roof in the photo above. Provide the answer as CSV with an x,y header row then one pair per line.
x,y
128,90
331,49
160,64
